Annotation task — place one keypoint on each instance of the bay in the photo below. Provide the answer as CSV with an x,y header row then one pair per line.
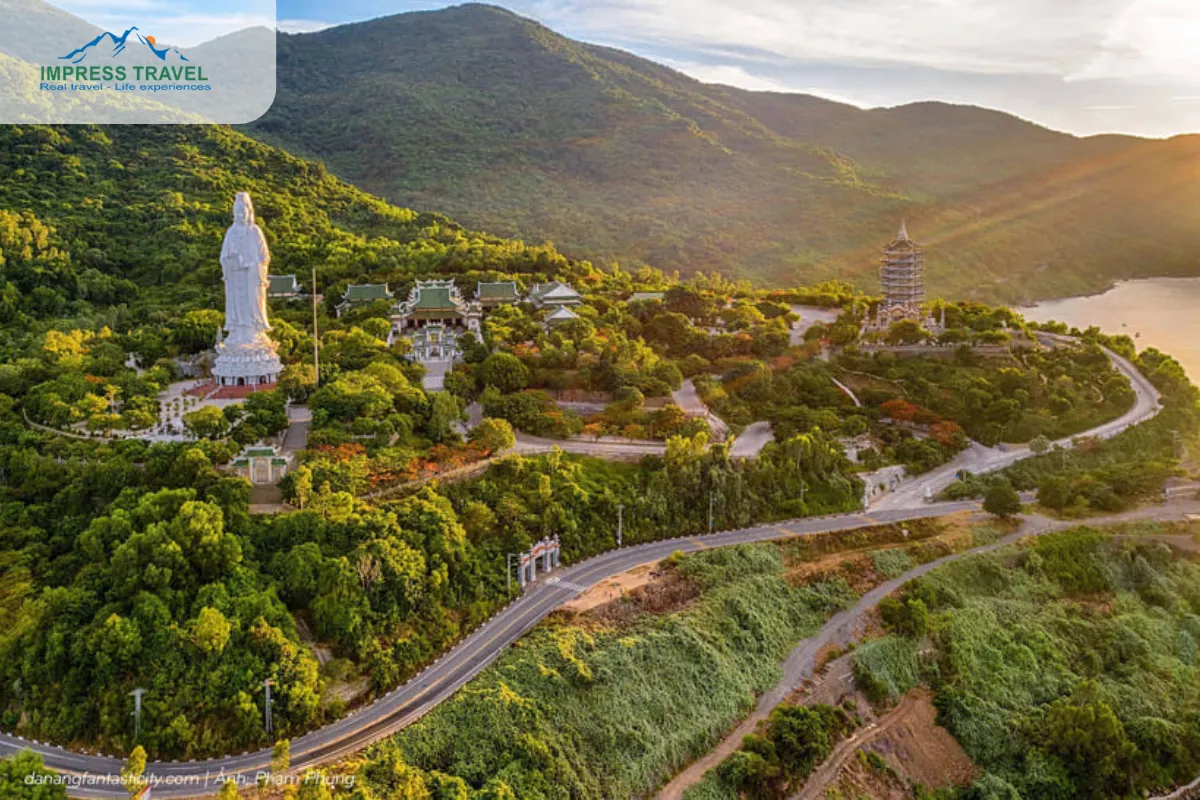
x,y
1156,312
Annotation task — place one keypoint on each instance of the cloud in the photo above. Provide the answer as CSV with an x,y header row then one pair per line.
x,y
1149,38
743,78
728,74
82,8
1065,38
302,25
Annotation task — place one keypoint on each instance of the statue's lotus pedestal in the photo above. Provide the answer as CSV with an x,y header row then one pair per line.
x,y
247,364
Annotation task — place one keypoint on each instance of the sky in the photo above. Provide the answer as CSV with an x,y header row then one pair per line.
x,y
1083,66
183,23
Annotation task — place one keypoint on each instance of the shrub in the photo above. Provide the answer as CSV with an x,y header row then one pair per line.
x,y
886,668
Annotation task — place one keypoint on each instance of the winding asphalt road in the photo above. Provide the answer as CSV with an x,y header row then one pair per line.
x,y
98,776
979,459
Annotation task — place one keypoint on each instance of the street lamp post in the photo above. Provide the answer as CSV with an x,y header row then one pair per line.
x,y
267,684
711,496
316,338
137,712
620,521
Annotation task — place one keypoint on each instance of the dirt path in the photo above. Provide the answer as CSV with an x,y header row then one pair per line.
x,y
910,739
822,776
843,627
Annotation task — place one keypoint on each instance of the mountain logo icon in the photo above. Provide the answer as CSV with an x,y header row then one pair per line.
x,y
115,45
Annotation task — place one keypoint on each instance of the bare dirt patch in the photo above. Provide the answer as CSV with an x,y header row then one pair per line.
x,y
620,601
612,589
815,547
885,758
833,685
920,749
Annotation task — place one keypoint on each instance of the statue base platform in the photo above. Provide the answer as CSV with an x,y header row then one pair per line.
x,y
254,364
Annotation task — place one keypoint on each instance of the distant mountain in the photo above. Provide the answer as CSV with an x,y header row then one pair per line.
x,y
23,35
513,128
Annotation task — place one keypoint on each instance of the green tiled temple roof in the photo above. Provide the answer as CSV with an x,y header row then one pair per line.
x,y
282,284
434,298
506,290
367,291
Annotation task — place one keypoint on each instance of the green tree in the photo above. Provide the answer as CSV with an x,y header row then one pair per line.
x,y
298,382
1055,492
351,396
496,789
494,435
302,485
1088,737
746,772
992,787
906,331
504,371
444,411
134,769
208,422
197,331
24,777
1002,500
1039,445
210,631
267,411
281,758
800,738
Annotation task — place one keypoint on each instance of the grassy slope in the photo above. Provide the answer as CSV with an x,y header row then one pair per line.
x,y
570,713
1068,668
1085,618
614,703
515,129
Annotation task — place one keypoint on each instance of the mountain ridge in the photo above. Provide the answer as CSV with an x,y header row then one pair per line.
x,y
505,124
500,122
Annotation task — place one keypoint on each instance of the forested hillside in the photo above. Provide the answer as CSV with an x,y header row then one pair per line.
x,y
134,564
519,131
90,215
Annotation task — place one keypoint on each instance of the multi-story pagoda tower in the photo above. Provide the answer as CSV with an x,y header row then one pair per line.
x,y
902,275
